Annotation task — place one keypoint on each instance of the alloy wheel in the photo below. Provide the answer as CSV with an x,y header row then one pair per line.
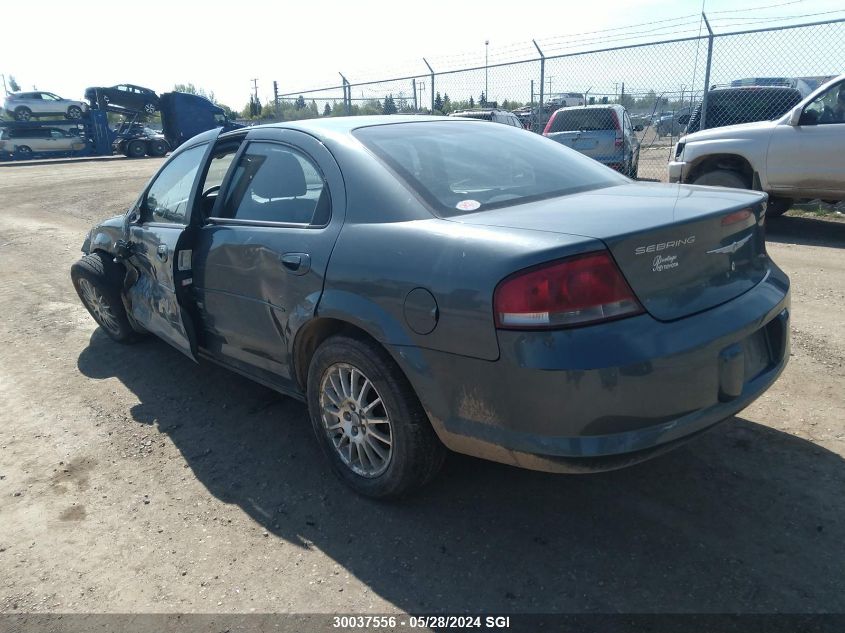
x,y
356,420
98,305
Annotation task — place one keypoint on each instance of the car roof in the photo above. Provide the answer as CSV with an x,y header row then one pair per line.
x,y
344,125
595,106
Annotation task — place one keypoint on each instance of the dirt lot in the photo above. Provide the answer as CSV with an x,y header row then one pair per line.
x,y
132,480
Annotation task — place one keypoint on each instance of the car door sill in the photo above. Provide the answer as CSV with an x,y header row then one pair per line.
x,y
285,391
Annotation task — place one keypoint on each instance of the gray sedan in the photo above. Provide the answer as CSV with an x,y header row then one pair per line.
x,y
428,284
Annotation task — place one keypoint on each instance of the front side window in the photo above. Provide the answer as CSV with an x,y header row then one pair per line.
x,y
167,198
460,167
827,108
58,134
276,183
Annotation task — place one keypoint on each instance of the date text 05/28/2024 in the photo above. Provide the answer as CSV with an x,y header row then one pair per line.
x,y
371,622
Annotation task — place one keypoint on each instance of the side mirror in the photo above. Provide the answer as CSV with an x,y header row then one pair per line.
x,y
795,116
638,128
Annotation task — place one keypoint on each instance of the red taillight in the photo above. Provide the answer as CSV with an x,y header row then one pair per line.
x,y
618,125
548,127
736,216
575,291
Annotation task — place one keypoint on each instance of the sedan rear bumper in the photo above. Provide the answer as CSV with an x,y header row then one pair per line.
x,y
604,396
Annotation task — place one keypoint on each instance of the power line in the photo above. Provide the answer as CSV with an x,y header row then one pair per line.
x,y
770,6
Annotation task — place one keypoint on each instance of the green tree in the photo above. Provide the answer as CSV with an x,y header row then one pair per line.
x,y
300,102
447,104
471,103
438,102
482,100
13,84
389,105
327,110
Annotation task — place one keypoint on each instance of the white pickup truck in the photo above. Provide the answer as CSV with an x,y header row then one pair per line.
x,y
800,156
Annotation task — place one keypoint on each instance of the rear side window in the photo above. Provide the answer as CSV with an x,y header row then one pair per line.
x,y
583,120
276,183
459,166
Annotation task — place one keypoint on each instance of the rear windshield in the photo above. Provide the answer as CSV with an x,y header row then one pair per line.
x,y
583,120
461,166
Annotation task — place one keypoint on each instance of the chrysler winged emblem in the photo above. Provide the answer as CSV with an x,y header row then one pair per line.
x,y
730,248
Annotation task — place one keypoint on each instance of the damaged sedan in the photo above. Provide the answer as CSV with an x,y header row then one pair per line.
x,y
427,285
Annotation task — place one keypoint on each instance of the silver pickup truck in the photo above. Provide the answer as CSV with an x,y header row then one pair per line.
x,y
799,156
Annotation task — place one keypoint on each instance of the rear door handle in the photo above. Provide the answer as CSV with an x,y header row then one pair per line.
x,y
296,263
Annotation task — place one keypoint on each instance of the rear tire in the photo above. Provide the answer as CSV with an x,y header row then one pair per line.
x,y
23,114
721,178
156,148
24,150
778,206
136,149
149,108
74,112
98,282
413,455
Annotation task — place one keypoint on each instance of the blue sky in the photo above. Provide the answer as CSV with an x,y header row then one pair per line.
x,y
223,46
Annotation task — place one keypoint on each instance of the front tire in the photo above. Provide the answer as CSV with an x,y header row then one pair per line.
x,y
778,206
98,282
24,150
74,113
23,114
368,421
149,108
721,178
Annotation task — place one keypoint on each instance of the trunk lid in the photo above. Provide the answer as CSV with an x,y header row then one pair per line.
x,y
682,249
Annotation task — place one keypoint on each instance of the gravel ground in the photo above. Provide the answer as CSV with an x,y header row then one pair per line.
x,y
132,480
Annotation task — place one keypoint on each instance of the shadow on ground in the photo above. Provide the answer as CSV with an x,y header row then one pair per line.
x,y
743,519
806,231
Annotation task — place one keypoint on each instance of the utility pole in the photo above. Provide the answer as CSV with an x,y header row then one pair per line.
x,y
255,88
5,89
550,77
486,46
276,96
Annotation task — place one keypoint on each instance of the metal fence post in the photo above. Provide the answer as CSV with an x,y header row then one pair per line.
x,y
414,88
703,121
347,95
537,124
431,70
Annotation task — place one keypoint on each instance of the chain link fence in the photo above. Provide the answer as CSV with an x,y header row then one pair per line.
x,y
667,88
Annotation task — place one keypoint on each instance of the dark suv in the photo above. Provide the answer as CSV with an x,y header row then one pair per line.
x,y
125,96
745,104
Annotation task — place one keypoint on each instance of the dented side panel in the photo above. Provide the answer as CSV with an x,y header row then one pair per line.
x,y
153,299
